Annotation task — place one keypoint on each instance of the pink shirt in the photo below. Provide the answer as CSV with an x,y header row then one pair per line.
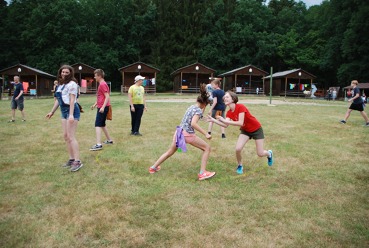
x,y
103,88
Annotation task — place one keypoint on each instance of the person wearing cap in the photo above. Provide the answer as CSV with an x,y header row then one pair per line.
x,y
137,104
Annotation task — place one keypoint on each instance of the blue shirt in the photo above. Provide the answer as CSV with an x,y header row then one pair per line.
x,y
219,95
17,89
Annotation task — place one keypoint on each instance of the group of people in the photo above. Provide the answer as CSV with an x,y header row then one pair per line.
x,y
237,115
66,92
65,97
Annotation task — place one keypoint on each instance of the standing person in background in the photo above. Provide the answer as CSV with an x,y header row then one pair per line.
x,y
66,99
250,127
103,106
137,104
357,104
329,95
334,94
218,106
17,99
209,90
55,87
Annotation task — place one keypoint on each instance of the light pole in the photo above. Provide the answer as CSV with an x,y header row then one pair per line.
x,y
139,69
250,71
298,90
197,69
80,69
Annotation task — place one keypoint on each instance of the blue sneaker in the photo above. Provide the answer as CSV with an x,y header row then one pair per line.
x,y
270,159
239,169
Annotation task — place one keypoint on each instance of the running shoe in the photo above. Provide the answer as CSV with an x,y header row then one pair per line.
x,y
153,170
206,175
96,147
239,169
108,142
68,164
342,121
76,166
270,159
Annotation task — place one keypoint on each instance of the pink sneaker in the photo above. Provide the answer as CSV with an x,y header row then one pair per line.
x,y
206,175
153,170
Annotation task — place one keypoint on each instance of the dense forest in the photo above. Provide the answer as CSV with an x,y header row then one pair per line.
x,y
329,40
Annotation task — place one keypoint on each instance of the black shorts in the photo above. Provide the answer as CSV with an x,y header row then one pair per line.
x,y
258,134
357,106
17,104
101,117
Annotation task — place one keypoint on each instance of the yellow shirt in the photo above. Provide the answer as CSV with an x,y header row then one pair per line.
x,y
137,93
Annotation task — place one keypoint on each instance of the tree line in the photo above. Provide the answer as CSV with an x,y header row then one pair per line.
x,y
329,40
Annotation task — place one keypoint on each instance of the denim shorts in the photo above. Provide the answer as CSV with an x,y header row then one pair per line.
x,y
64,109
101,117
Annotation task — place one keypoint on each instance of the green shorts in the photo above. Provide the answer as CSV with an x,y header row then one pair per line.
x,y
258,134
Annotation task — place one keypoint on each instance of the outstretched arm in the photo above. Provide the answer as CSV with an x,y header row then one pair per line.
x,y
211,119
228,121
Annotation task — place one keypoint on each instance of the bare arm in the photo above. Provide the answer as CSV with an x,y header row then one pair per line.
x,y
71,106
130,102
195,125
218,122
55,107
355,97
215,100
20,94
106,94
241,118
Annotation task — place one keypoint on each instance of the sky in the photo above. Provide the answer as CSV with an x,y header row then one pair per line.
x,y
309,3
312,2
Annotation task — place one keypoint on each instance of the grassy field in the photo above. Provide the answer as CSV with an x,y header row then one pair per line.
x,y
315,195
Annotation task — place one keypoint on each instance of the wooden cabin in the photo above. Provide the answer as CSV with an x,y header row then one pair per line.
x,y
188,79
85,78
129,73
244,80
289,83
36,83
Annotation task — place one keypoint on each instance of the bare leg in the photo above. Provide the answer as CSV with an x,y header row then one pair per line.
x,y
172,149
98,135
241,142
201,144
363,114
65,135
260,148
210,127
23,115
73,143
13,114
105,130
347,115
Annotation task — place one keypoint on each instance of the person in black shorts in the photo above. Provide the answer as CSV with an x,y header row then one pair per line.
x,y
17,99
357,104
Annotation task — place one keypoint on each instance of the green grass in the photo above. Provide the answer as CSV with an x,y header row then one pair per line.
x,y
316,194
